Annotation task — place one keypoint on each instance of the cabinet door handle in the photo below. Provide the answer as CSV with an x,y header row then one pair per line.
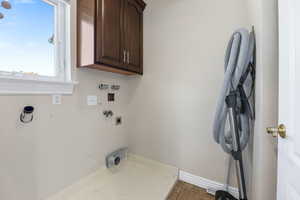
x,y
124,56
128,57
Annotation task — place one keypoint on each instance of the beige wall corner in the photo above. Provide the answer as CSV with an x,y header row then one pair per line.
x,y
172,106
264,17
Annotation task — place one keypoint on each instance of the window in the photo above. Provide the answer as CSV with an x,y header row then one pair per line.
x,y
34,47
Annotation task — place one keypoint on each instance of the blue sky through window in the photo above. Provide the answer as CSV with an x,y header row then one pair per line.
x,y
24,34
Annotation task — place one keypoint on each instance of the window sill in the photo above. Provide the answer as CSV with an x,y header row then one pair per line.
x,y
14,85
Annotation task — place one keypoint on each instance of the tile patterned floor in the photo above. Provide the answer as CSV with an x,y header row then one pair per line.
x,y
185,191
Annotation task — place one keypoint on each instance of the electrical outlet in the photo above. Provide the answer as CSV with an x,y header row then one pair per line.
x,y
92,100
111,97
56,99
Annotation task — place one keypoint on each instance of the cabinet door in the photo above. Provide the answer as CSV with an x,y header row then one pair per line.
x,y
133,38
109,31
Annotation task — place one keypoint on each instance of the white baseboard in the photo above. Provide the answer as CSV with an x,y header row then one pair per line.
x,y
210,186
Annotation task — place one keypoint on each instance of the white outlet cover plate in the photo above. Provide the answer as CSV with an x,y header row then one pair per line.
x,y
92,100
56,99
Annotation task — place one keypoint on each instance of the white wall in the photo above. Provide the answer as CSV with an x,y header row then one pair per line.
x,y
64,143
263,15
173,104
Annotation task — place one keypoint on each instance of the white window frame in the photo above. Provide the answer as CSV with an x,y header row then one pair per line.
x,y
22,83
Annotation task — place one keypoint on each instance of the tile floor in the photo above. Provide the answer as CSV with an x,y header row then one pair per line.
x,y
136,179
186,191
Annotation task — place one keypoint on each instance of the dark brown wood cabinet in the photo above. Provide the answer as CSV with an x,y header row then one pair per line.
x,y
109,20
133,35
117,35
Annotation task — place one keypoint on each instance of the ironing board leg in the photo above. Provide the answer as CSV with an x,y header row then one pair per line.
x,y
237,152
